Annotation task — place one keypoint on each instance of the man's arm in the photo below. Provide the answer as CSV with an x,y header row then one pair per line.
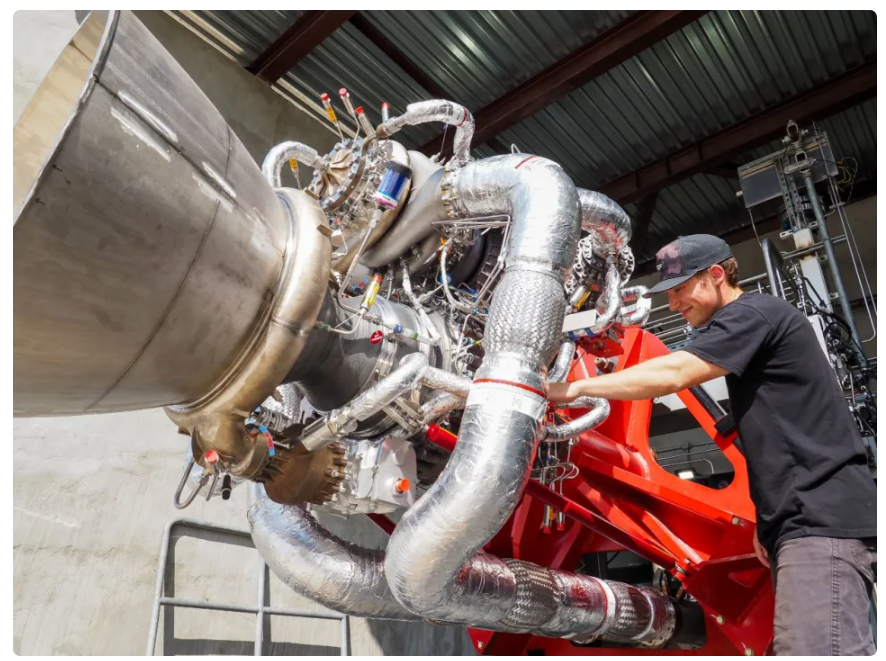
x,y
654,378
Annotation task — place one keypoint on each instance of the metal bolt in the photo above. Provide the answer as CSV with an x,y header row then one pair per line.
x,y
736,521
748,651
480,645
720,619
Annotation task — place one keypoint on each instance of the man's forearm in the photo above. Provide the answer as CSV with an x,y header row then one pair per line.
x,y
654,378
644,381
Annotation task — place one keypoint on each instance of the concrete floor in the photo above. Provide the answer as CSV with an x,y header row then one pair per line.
x,y
93,494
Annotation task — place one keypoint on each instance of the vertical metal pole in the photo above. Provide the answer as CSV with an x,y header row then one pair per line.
x,y
829,251
260,615
345,643
769,258
158,590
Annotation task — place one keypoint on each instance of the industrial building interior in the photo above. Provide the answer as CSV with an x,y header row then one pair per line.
x,y
269,266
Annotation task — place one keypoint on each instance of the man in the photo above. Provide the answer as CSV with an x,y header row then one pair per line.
x,y
807,466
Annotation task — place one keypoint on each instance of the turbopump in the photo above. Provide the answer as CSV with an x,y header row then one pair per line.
x,y
306,338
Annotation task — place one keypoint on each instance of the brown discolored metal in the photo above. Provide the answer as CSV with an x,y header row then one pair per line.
x,y
294,476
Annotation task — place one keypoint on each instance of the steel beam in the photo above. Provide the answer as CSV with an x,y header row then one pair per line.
x,y
303,36
378,38
726,170
823,101
616,45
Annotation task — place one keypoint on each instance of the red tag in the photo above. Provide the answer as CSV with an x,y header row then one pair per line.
x,y
376,337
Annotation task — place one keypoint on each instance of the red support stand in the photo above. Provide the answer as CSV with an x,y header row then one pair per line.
x,y
622,499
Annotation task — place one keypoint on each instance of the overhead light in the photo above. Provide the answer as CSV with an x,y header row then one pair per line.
x,y
686,475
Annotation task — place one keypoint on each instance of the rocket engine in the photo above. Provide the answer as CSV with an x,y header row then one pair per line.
x,y
307,339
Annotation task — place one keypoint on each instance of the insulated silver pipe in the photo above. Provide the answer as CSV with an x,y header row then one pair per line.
x,y
504,410
640,315
339,422
350,579
433,565
610,611
318,565
439,379
562,362
598,413
611,302
438,406
279,156
437,110
605,220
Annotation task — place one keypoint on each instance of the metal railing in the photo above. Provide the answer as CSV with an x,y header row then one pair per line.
x,y
262,610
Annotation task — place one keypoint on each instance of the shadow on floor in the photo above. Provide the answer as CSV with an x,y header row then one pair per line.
x,y
419,638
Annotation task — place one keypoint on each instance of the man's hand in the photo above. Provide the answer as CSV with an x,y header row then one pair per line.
x,y
653,378
762,554
562,393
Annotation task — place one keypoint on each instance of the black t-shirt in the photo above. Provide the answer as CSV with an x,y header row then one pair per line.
x,y
806,462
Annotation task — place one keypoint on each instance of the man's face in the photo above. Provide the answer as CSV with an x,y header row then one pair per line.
x,y
697,299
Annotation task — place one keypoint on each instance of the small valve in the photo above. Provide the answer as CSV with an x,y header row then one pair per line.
x,y
371,291
579,296
330,112
547,519
346,99
364,122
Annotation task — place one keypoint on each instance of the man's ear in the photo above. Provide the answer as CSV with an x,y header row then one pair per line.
x,y
718,274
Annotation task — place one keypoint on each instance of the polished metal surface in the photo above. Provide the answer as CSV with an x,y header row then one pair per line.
x,y
147,245
216,419
424,207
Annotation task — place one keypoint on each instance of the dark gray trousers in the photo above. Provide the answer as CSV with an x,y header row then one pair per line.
x,y
823,596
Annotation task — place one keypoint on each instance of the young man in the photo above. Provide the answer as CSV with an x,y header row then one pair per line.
x,y
814,495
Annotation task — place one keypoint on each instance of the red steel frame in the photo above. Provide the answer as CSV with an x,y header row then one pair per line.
x,y
622,499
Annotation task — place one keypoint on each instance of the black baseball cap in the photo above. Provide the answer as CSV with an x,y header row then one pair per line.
x,y
681,259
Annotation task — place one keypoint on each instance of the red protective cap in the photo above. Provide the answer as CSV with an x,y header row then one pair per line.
x,y
385,104
211,456
402,485
324,96
343,91
359,110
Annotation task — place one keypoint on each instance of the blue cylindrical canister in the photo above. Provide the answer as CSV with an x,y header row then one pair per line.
x,y
392,184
